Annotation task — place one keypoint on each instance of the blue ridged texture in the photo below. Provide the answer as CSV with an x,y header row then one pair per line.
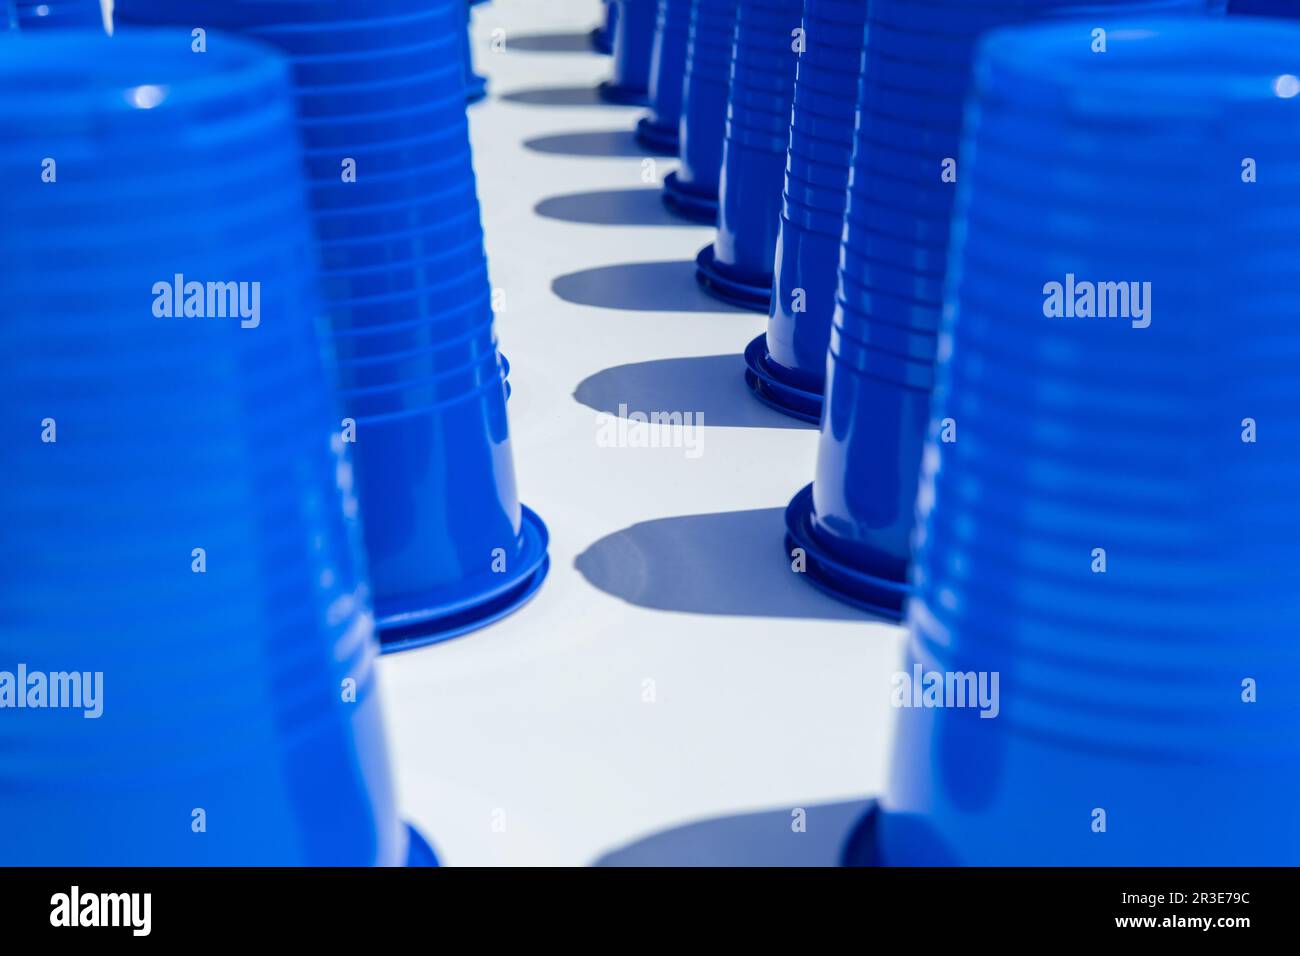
x,y
1112,529
381,102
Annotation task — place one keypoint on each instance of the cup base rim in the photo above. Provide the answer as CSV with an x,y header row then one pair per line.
x,y
657,137
730,289
419,624
882,597
768,387
688,204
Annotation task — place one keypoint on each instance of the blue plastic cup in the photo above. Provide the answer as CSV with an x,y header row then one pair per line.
x,y
759,99
659,130
406,285
460,567
902,357
634,35
914,345
449,366
362,131
737,266
398,383
811,186
691,190
802,252
381,325
828,224
325,164
602,37
897,225
1078,434
820,139
924,108
786,366
261,644
61,14
874,273
834,550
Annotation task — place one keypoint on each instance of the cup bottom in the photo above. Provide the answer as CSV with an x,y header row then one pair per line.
x,y
656,136
857,588
612,92
770,388
692,204
419,853
478,602
733,289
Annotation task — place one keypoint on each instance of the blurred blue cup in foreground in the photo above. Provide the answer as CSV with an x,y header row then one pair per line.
x,y
187,649
1102,667
50,14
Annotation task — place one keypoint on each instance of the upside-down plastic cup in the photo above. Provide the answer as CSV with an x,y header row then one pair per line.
x,y
633,46
407,297
659,130
737,266
180,528
602,37
691,190
77,14
786,365
1107,533
890,273
475,83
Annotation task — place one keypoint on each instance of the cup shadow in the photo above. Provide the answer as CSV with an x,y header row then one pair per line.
x,y
662,286
712,386
765,838
555,96
729,563
616,143
609,207
551,43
